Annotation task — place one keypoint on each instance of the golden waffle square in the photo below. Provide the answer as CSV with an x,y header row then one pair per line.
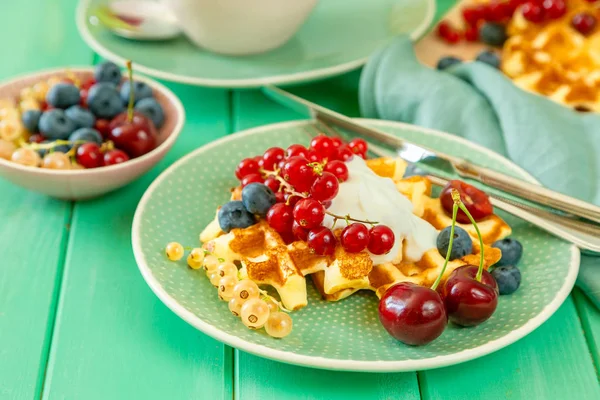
x,y
555,60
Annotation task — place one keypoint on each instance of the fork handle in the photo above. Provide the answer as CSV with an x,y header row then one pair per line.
x,y
532,192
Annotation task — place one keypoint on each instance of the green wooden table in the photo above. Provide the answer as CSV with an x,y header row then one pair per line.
x,y
77,320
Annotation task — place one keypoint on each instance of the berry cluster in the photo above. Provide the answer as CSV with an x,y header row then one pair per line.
x,y
245,299
66,123
417,315
478,20
305,181
486,22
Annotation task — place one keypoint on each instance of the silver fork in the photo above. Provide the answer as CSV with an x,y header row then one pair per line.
x,y
583,235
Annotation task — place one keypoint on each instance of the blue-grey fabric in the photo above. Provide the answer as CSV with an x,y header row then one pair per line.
x,y
558,146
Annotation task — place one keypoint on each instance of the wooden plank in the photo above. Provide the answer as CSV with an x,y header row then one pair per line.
x,y
590,321
258,378
114,339
34,228
553,362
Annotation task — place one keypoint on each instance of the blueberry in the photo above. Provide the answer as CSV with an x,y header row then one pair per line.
x,y
258,198
54,124
448,61
151,109
413,170
63,95
461,245
512,250
489,57
31,119
508,278
86,135
104,101
234,215
82,117
140,91
492,34
63,148
107,72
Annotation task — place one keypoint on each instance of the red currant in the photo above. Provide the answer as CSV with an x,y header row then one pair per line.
x,y
83,95
451,38
88,83
344,153
273,184
296,150
443,29
298,173
472,15
321,240
280,197
513,5
102,126
337,142
338,168
313,156
89,155
497,11
299,231
381,240
554,8
475,200
584,23
325,187
355,238
533,12
272,157
251,178
36,138
246,167
292,199
471,34
280,217
115,156
358,146
323,146
309,213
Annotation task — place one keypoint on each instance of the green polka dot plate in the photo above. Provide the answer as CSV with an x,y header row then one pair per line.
x,y
344,335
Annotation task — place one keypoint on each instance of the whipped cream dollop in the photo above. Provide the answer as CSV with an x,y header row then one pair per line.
x,y
368,196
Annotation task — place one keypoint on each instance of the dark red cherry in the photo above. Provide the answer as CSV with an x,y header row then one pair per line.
x,y
469,302
137,137
475,200
412,314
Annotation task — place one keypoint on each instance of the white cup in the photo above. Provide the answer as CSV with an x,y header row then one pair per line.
x,y
240,27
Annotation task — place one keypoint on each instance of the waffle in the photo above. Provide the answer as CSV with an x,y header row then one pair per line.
x,y
267,260
554,60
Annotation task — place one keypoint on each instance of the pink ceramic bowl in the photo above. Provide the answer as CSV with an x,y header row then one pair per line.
x,y
88,183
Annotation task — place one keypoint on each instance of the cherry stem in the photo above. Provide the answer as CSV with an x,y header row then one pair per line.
x,y
480,270
131,92
439,278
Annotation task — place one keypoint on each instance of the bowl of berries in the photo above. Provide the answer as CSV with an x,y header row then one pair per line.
x,y
79,133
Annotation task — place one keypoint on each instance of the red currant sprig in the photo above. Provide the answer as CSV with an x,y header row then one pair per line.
x,y
305,181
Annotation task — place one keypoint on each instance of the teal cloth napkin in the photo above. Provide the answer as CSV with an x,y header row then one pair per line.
x,y
558,146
